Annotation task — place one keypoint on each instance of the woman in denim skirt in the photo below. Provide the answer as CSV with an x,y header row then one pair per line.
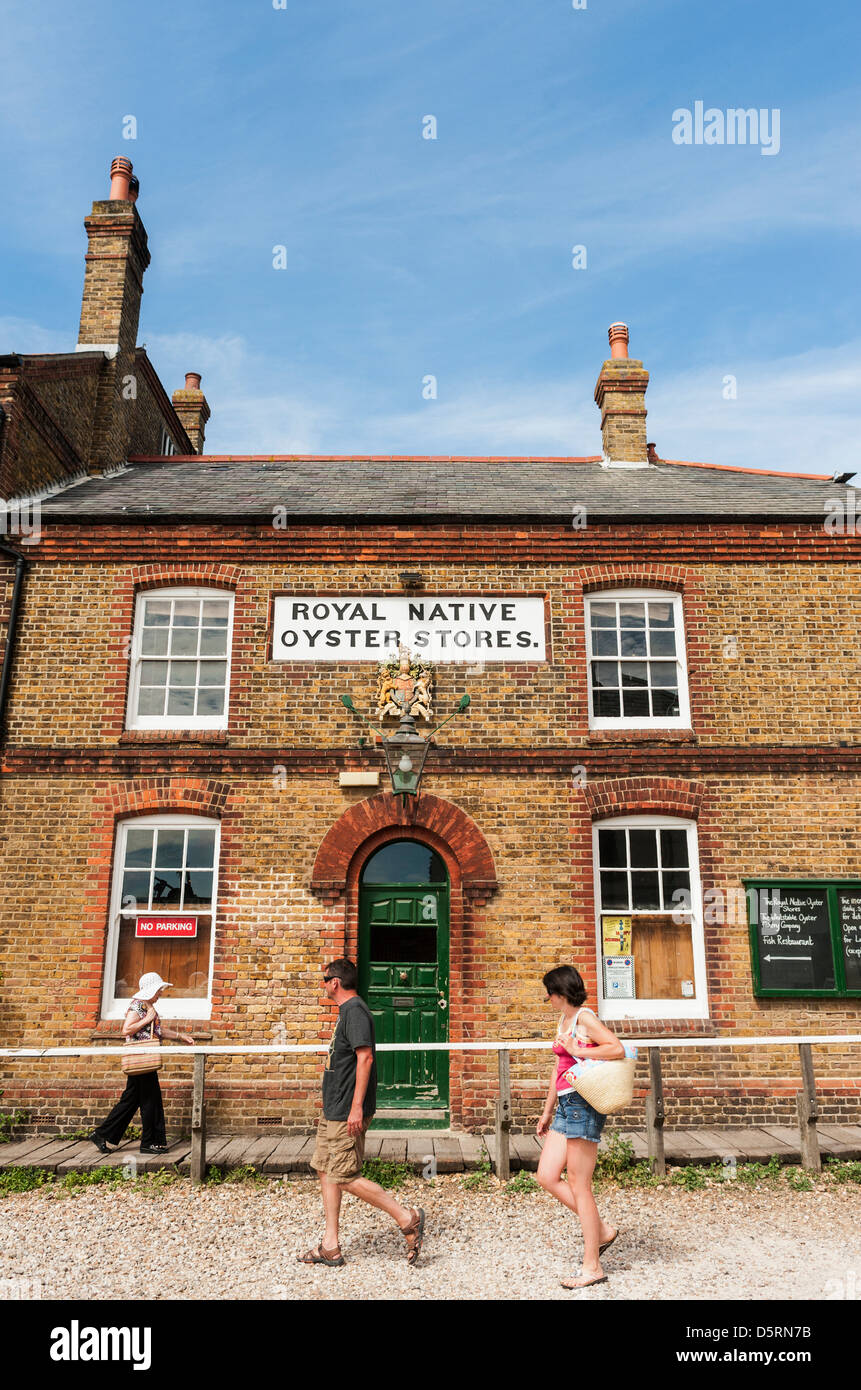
x,y
571,1126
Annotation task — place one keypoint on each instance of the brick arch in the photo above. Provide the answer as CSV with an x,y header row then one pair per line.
x,y
634,576
179,574
446,823
628,796
202,796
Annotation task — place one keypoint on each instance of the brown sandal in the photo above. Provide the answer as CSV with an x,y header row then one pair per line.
x,y
318,1256
414,1234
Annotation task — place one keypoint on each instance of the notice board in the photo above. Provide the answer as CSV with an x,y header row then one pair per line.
x,y
805,937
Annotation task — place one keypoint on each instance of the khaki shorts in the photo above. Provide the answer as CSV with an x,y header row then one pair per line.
x,y
338,1154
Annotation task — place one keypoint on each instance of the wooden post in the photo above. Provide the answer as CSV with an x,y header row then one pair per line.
x,y
805,1104
198,1120
655,1114
503,1116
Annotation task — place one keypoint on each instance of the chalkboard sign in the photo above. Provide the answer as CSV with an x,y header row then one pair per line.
x,y
849,908
793,936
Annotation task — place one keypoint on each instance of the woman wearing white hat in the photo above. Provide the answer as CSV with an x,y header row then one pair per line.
x,y
142,1024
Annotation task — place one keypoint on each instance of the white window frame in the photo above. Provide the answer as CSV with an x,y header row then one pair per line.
x,y
698,1006
167,447
683,719
165,721
115,1008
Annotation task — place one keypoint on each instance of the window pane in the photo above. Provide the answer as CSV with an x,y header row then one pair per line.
x,y
676,879
674,848
215,611
632,614
660,614
665,703
612,851
168,850
633,643
644,848
213,642
636,704
603,614
180,702
605,642
662,643
215,672
405,861
139,848
156,612
151,701
645,890
606,704
183,672
198,887
614,890
136,890
154,641
186,612
605,673
634,673
154,673
201,848
210,701
662,673
166,888
183,641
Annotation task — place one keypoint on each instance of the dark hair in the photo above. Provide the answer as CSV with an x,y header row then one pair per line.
x,y
567,981
347,973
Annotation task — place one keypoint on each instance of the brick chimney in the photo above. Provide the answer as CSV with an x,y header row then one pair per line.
x,y
192,408
621,397
116,259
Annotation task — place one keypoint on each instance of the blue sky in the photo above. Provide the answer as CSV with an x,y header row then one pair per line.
x,y
408,257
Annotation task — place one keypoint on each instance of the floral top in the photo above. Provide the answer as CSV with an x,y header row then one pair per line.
x,y
139,1007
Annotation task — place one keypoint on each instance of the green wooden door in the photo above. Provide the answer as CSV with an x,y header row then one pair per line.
x,y
403,976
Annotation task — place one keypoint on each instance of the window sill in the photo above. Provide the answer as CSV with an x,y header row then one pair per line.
x,y
208,736
661,1027
108,1032
642,736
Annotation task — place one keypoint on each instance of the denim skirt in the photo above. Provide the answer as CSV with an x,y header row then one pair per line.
x,y
576,1119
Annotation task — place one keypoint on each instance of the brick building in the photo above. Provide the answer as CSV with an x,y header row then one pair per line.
x,y
658,778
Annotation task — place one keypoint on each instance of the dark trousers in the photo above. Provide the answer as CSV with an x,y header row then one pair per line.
x,y
142,1092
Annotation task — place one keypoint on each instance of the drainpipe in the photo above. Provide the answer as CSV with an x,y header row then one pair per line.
x,y
8,656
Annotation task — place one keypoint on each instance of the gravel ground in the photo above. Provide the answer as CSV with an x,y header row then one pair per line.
x,y
240,1242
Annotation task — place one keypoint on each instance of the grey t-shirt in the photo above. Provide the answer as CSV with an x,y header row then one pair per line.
x,y
354,1028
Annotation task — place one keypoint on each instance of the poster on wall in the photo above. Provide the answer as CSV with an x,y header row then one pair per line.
x,y
619,977
616,933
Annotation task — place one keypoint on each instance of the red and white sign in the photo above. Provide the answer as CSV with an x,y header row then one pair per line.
x,y
161,927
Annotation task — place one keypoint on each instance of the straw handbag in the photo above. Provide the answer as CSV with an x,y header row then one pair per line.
x,y
138,1058
607,1086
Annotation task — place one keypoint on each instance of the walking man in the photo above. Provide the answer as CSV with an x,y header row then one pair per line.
x,y
349,1102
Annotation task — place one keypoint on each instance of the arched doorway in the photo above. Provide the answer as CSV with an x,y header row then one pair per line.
x,y
403,959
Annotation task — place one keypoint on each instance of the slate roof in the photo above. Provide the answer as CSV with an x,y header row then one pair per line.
x,y
316,488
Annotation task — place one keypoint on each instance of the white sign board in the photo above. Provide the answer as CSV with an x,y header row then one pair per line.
x,y
619,977
352,628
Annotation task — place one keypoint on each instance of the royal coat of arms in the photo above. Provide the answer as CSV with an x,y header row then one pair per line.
x,y
404,686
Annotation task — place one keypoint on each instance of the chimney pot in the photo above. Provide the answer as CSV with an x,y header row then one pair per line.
x,y
618,335
121,175
192,381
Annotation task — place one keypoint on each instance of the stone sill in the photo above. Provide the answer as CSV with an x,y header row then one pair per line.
x,y
187,736
108,1034
642,736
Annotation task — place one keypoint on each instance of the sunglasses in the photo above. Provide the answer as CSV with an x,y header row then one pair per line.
x,y
327,979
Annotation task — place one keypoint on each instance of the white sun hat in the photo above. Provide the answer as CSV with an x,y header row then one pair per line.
x,y
150,984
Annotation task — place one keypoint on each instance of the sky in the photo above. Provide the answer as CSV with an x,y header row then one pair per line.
x,y
430,303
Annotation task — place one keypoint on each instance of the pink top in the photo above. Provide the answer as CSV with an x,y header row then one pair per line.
x,y
581,1039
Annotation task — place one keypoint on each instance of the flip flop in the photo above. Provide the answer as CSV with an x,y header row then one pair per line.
x,y
606,1245
318,1256
587,1285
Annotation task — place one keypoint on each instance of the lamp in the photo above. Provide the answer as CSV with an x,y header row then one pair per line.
x,y
406,749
